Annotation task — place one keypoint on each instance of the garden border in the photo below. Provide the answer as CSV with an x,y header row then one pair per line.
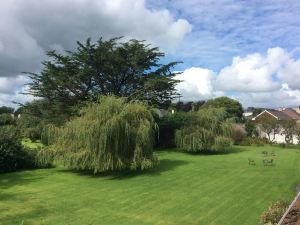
x,y
289,208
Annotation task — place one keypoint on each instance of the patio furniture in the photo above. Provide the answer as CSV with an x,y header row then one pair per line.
x,y
251,162
268,162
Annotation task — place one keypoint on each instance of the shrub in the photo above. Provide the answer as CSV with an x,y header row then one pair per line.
x,y
254,141
222,143
110,135
274,213
9,132
168,124
33,133
6,119
250,129
14,157
238,133
209,131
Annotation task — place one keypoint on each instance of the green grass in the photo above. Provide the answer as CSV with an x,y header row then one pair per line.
x,y
183,189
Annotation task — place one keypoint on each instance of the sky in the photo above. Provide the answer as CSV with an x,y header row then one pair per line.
x,y
248,50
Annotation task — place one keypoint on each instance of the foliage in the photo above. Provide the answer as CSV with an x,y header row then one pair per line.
x,y
288,130
188,106
238,133
6,110
233,108
274,213
14,157
297,133
251,129
254,141
109,136
129,69
9,132
271,127
6,119
209,131
168,124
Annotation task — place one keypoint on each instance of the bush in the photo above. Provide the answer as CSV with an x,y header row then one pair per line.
x,y
254,141
9,132
168,124
33,133
238,133
274,213
14,157
6,119
222,143
209,131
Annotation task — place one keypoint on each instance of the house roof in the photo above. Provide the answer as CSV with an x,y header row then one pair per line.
x,y
291,113
285,114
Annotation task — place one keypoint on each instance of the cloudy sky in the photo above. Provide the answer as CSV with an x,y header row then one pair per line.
x,y
246,49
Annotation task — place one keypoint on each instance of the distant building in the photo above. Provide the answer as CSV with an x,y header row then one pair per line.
x,y
278,114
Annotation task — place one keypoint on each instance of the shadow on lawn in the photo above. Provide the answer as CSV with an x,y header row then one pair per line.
x,y
163,166
8,180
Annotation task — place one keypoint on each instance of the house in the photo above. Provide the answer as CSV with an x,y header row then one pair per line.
x,y
278,114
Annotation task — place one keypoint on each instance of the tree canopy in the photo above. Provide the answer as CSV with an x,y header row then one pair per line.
x,y
209,131
233,107
130,69
108,136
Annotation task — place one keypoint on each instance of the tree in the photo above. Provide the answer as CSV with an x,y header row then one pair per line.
x,y
233,108
168,124
297,133
188,106
288,130
110,135
271,127
251,129
6,110
128,69
209,131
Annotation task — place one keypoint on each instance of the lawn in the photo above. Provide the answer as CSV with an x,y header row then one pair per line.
x,y
184,189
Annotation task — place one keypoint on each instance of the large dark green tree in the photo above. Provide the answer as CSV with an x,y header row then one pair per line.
x,y
130,69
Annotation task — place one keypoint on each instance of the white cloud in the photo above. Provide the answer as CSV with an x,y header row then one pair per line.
x,y
197,84
8,85
269,80
290,73
253,73
12,89
29,28
284,97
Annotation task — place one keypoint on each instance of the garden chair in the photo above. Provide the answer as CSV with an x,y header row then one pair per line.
x,y
251,162
265,153
273,153
268,162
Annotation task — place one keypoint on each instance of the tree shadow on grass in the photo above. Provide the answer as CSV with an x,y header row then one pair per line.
x,y
163,166
8,180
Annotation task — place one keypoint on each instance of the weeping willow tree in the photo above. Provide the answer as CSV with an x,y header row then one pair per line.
x,y
110,135
209,131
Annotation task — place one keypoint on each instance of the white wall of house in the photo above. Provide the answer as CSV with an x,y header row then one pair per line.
x,y
279,138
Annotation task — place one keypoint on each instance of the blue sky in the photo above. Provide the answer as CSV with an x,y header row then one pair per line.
x,y
245,49
223,29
